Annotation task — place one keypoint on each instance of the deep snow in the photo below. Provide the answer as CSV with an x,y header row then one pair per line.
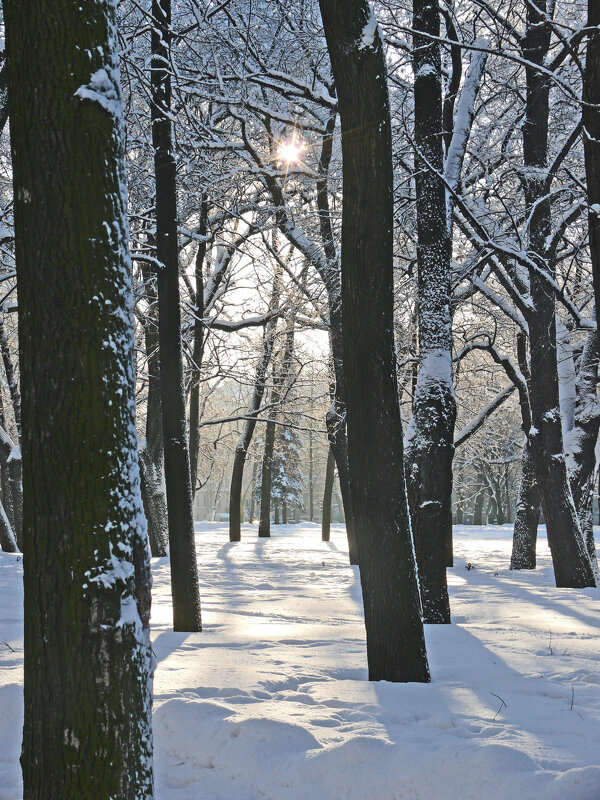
x,y
271,700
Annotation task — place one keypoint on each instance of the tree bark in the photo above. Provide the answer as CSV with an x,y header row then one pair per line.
x,y
88,659
152,453
523,554
182,545
572,566
327,495
430,437
394,626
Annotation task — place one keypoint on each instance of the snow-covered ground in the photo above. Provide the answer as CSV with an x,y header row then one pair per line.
x,y
272,699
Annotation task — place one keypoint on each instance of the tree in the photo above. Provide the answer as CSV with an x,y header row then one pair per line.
x,y
88,663
182,550
591,141
395,640
430,437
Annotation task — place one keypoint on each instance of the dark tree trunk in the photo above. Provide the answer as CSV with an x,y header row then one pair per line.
x,y
11,378
327,494
430,438
528,516
182,545
572,566
241,450
88,659
198,349
152,454
591,141
276,520
284,518
264,524
394,626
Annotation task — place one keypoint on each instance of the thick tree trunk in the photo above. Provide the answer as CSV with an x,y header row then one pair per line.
x,y
152,453
182,545
430,437
88,659
528,516
327,494
572,566
395,640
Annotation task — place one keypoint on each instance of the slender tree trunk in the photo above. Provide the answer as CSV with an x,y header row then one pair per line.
x,y
88,660
8,543
430,437
327,494
241,450
11,378
284,518
182,545
276,520
264,525
152,453
395,640
198,350
478,509
572,566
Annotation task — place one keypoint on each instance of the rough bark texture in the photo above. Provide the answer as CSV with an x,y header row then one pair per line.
x,y
182,545
523,554
572,566
394,626
430,437
152,464
8,542
88,662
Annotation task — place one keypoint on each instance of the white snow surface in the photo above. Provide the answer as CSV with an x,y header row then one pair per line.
x,y
272,699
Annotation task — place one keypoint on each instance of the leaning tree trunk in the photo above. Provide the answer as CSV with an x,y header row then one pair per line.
x,y
182,544
152,452
88,659
327,495
8,542
572,566
430,437
393,621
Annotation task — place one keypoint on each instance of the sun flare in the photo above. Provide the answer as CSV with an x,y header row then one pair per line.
x,y
289,152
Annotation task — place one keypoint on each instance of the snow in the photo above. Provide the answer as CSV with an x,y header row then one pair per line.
x,y
367,38
272,701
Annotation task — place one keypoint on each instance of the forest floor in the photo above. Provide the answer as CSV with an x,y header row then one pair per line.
x,y
272,699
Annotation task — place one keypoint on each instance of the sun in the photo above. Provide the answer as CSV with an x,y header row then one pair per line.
x,y
290,152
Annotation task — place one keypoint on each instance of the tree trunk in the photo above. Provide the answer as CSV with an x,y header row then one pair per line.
x,y
198,349
8,543
264,524
395,640
241,450
327,494
182,544
591,141
152,454
572,566
430,437
528,516
88,660
478,508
